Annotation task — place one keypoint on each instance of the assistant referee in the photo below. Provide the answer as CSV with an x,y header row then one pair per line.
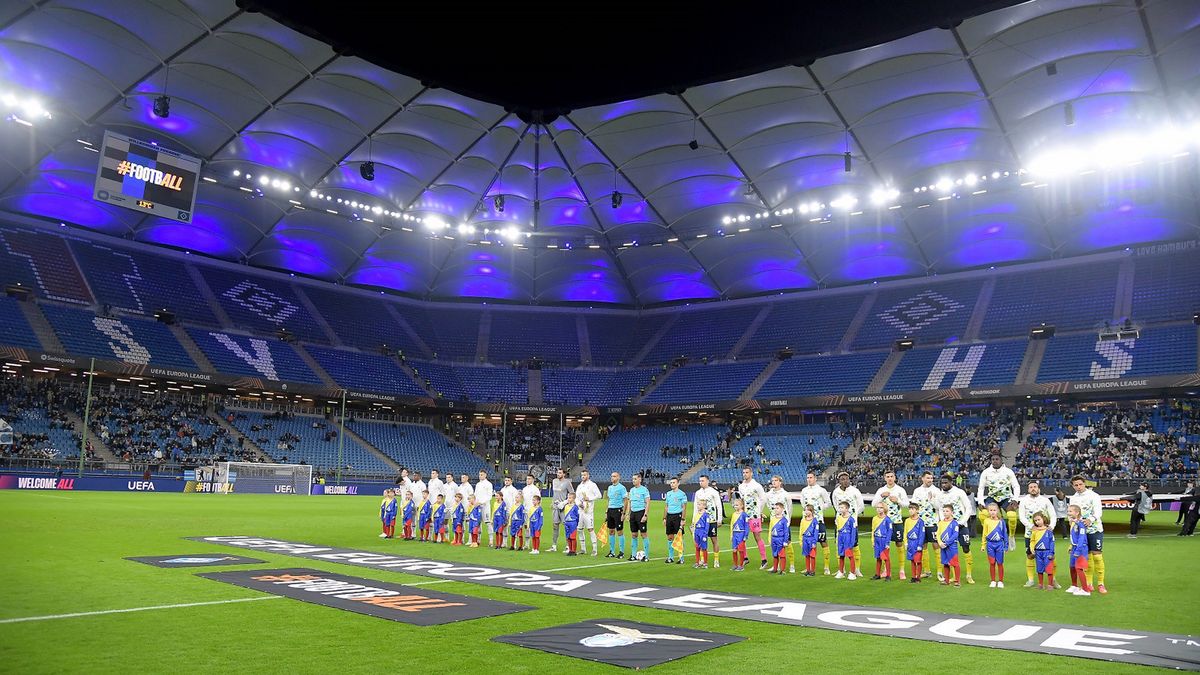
x,y
676,499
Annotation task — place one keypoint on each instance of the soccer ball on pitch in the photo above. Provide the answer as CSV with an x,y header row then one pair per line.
x,y
639,556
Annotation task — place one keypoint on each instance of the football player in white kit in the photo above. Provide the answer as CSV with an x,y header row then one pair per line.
x,y
928,499
892,498
586,495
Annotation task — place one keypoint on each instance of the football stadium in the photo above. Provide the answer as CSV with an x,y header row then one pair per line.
x,y
584,338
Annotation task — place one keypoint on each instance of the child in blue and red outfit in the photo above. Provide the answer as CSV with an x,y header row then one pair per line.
x,y
387,514
499,520
914,534
439,519
847,540
810,536
947,541
474,520
881,537
700,534
535,525
410,512
1079,553
426,515
516,527
571,523
459,518
781,536
739,527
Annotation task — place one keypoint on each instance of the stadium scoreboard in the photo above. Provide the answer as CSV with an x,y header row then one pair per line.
x,y
144,177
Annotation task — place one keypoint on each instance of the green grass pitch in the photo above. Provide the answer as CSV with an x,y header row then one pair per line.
x,y
63,553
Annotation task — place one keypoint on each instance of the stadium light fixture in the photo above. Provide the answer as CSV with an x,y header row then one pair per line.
x,y
498,202
616,199
162,106
944,184
844,203
367,170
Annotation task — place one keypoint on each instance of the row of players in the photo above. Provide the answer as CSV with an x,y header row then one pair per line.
x,y
631,505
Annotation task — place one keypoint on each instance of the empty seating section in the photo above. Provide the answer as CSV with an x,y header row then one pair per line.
x,y
124,338
43,263
1072,297
927,314
257,357
993,363
457,334
518,336
442,379
632,450
716,382
295,439
807,326
14,329
142,283
701,333
494,384
359,320
369,372
610,337
593,387
418,320
1166,287
261,304
810,376
418,447
1159,351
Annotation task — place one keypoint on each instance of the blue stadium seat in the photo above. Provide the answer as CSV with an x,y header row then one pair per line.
x,y
593,387
360,320
1070,297
633,450
612,337
518,336
1166,287
702,333
14,329
312,448
494,384
998,363
141,283
262,304
1166,350
810,376
258,357
716,382
42,263
928,314
419,447
137,340
807,326
456,333
443,379
368,372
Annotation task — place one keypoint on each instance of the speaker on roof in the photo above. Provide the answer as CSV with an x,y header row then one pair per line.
x,y
164,316
904,345
785,354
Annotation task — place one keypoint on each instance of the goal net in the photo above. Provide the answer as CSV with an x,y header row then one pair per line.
x,y
253,478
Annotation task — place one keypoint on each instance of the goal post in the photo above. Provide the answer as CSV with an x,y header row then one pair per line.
x,y
255,478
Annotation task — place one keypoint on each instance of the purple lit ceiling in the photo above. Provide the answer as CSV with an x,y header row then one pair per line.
x,y
252,96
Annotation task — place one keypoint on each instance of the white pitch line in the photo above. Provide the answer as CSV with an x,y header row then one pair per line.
x,y
426,583
135,609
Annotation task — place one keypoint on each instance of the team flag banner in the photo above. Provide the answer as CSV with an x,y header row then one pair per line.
x,y
1107,644
195,560
620,643
406,604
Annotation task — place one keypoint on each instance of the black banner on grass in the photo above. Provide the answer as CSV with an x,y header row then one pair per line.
x,y
620,643
1120,645
406,604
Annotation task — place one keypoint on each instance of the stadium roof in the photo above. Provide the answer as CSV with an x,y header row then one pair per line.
x,y
1089,107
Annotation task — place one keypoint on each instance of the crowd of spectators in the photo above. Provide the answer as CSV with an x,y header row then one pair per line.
x,y
963,445
159,429
33,408
1157,443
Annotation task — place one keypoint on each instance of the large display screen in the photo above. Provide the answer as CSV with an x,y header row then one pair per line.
x,y
144,177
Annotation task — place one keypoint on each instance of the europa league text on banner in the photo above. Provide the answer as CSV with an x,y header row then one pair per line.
x,y
144,177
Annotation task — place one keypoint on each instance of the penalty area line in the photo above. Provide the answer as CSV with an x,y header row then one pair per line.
x,y
135,609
